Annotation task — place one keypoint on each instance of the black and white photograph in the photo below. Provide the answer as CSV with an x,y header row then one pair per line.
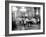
x,y
24,18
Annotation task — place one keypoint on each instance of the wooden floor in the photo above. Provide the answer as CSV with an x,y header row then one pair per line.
x,y
34,27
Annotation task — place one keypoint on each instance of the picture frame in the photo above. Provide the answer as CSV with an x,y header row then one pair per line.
x,y
8,18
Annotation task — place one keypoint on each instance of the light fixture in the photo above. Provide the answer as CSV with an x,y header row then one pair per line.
x,y
37,12
14,9
23,9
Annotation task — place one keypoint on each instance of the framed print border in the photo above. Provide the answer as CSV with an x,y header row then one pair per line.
x,y
7,17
